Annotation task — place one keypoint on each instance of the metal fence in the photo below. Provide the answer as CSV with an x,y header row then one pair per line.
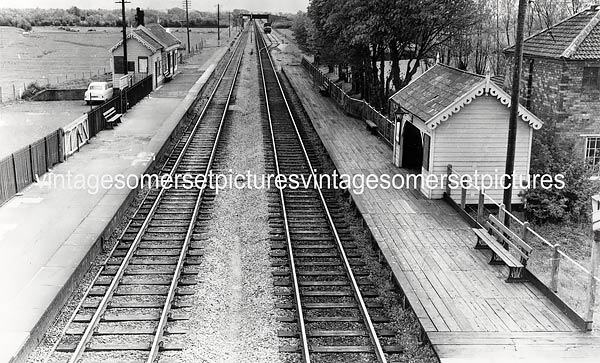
x,y
22,167
352,106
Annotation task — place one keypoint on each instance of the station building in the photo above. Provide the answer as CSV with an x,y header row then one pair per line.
x,y
151,50
448,116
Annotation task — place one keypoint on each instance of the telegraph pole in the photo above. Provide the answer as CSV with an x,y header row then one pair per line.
x,y
229,22
187,4
218,25
124,23
514,109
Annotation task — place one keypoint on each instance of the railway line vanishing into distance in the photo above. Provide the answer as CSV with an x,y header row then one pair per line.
x,y
319,258
328,304
140,287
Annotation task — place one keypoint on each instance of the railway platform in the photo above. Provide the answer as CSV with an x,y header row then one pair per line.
x,y
49,234
465,308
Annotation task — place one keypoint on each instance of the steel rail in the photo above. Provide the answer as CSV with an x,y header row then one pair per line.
x,y
93,282
362,306
88,333
103,265
188,237
295,284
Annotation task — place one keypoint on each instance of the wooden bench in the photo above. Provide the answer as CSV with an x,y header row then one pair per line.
x,y
502,241
112,117
324,90
371,126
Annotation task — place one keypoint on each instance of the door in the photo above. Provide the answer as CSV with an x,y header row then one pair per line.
x,y
169,63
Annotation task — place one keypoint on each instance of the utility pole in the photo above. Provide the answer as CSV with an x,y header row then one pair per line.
x,y
497,37
124,23
514,108
187,4
229,22
218,24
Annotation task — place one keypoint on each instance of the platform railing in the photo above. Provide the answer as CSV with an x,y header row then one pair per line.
x,y
76,134
565,277
351,106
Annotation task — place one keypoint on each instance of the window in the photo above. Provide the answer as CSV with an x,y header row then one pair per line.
x,y
143,64
118,65
592,150
590,78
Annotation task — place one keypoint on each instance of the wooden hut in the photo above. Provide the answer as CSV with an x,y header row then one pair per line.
x,y
448,116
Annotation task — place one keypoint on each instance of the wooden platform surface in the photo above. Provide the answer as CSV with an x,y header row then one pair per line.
x,y
466,308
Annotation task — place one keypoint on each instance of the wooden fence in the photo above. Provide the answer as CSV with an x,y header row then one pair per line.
x,y
138,91
352,106
20,169
95,117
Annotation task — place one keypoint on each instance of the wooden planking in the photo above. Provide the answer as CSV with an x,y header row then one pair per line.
x,y
428,246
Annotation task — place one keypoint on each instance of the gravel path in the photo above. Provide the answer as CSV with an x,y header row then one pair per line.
x,y
233,319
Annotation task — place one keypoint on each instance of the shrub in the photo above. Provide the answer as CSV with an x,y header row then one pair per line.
x,y
31,90
570,204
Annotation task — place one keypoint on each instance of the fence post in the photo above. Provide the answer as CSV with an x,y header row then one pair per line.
x,y
31,164
46,153
591,300
555,261
15,173
59,140
501,213
463,196
480,206
448,172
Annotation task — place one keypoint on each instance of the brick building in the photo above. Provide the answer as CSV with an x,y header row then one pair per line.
x,y
561,79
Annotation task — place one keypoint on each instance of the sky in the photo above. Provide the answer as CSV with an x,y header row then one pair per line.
x,y
275,6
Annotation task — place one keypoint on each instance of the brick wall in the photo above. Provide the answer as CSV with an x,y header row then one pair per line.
x,y
559,100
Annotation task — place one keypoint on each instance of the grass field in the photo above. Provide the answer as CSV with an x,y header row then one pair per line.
x,y
51,55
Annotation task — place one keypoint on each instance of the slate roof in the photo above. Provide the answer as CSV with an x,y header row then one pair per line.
x,y
147,38
575,38
161,35
435,90
154,35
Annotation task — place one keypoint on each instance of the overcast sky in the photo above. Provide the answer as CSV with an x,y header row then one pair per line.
x,y
286,6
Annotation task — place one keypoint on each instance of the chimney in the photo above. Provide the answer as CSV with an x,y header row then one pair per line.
x,y
139,17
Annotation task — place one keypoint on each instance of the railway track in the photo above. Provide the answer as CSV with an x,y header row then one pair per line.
x,y
317,264
128,311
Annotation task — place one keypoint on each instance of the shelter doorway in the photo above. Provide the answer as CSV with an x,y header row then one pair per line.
x,y
412,147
